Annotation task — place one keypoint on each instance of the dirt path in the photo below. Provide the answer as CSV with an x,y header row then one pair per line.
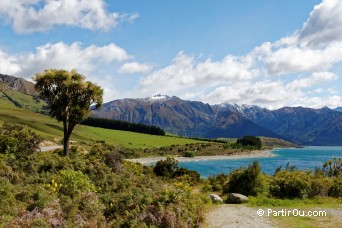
x,y
233,215
48,148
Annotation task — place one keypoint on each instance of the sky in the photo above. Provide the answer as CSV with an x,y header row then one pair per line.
x,y
267,53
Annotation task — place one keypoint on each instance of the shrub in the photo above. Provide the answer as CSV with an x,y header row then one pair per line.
x,y
14,139
72,182
320,187
247,181
189,154
192,176
333,168
166,167
336,188
296,184
218,181
114,160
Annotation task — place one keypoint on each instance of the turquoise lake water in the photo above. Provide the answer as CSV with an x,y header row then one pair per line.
x,y
303,158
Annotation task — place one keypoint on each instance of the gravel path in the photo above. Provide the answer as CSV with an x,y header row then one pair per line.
x,y
233,215
48,148
237,215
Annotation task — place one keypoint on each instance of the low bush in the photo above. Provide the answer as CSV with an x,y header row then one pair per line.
x,y
190,176
16,140
296,184
217,181
189,154
166,168
248,181
336,188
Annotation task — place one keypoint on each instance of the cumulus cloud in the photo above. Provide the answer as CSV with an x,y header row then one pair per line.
x,y
73,56
323,26
135,67
8,64
294,59
314,47
86,60
315,78
186,72
28,16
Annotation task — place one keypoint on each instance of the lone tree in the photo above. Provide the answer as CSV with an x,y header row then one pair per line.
x,y
69,98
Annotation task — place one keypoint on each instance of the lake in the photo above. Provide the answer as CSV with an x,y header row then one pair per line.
x,y
306,158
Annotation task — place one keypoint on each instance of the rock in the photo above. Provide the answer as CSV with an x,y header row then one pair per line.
x,y
215,198
236,198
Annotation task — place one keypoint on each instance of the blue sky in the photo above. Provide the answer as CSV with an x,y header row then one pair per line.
x,y
267,53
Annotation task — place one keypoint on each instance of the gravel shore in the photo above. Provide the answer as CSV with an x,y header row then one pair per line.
x,y
252,154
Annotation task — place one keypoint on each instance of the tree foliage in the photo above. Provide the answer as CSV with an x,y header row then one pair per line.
x,y
250,141
68,97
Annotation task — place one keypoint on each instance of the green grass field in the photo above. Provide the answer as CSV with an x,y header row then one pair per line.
x,y
50,129
24,100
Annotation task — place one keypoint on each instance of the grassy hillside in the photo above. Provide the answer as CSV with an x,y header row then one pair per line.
x,y
22,100
52,130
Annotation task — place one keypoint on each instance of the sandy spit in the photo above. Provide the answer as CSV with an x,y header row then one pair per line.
x,y
252,154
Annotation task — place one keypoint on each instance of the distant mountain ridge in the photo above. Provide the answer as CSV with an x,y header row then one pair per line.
x,y
301,125
18,84
187,118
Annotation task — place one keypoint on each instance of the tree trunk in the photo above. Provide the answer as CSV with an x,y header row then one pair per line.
x,y
68,128
66,139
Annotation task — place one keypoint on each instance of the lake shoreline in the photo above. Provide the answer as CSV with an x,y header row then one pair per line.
x,y
251,154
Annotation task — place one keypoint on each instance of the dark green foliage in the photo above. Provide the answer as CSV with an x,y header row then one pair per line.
x,y
247,181
18,141
123,126
169,168
250,141
189,154
166,168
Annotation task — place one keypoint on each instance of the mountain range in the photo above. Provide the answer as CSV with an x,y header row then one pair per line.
x,y
303,126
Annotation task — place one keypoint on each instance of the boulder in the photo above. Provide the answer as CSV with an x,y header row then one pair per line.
x,y
236,198
215,198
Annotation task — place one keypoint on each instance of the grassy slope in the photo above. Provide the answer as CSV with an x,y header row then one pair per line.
x,y
52,130
25,100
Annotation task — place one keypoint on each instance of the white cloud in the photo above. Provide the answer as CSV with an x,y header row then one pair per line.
x,y
315,78
135,67
187,72
8,64
86,60
295,59
28,16
323,26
